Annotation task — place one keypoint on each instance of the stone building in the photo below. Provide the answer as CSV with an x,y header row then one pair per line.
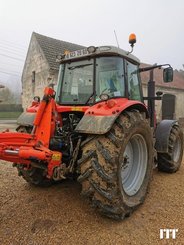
x,y
41,69
171,106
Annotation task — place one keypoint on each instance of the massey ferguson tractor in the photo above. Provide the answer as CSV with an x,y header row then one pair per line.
x,y
97,128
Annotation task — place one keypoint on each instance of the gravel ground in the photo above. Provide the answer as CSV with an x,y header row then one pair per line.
x,y
59,215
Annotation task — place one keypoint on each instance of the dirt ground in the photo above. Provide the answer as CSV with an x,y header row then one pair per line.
x,y
59,215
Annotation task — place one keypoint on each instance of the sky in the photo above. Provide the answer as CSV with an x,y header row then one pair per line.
x,y
158,25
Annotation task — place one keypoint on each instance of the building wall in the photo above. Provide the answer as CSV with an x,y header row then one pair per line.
x,y
179,93
35,62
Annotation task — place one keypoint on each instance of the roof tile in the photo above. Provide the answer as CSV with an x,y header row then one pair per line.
x,y
178,79
52,47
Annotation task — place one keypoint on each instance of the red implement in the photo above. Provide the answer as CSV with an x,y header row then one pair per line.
x,y
23,148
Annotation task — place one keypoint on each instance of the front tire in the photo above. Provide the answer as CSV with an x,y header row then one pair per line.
x,y
34,176
115,169
170,162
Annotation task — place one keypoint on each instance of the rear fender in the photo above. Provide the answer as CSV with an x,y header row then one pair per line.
x,y
162,134
26,119
99,118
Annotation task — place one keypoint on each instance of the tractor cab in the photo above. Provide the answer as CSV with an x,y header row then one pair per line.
x,y
97,73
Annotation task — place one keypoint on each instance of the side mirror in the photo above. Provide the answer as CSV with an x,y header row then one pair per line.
x,y
36,99
168,75
159,93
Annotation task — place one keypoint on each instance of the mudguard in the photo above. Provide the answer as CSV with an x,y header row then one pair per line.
x,y
95,124
26,119
162,134
99,118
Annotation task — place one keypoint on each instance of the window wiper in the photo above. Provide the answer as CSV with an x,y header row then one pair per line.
x,y
79,66
90,97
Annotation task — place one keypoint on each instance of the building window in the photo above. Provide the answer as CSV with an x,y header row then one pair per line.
x,y
33,76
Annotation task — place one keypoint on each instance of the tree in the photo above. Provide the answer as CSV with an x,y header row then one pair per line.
x,y
6,96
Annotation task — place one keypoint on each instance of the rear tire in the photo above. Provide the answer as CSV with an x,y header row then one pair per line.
x,y
170,162
115,169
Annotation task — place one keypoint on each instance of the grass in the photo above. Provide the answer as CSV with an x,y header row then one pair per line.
x,y
10,115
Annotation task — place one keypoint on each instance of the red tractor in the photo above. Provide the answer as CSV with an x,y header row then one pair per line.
x,y
97,128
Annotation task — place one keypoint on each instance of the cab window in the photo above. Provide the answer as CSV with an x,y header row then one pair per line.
x,y
133,82
109,77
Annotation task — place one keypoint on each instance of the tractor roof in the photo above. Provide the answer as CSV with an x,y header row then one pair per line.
x,y
97,51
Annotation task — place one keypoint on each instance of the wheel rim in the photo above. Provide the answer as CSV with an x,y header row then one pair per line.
x,y
177,150
134,164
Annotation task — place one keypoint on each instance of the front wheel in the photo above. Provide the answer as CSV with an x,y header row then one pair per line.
x,y
170,162
34,176
115,169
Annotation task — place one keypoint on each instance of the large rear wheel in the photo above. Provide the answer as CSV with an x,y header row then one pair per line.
x,y
115,169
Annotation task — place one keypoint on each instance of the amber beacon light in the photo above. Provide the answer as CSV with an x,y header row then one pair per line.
x,y
132,39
